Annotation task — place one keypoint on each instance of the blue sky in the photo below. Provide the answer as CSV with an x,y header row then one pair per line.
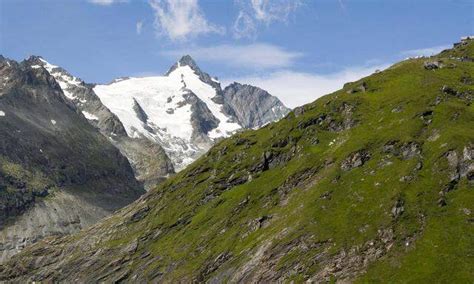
x,y
297,50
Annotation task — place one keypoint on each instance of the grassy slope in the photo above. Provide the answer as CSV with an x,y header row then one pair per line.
x,y
192,220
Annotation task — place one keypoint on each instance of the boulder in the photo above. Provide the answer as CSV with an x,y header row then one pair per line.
x,y
432,65
355,159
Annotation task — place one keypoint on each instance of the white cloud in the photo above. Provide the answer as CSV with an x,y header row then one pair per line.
x,y
139,27
106,2
269,11
181,19
252,56
255,12
298,88
244,26
425,51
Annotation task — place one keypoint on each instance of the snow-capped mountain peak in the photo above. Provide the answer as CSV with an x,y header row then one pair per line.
x,y
65,80
183,115
185,60
183,112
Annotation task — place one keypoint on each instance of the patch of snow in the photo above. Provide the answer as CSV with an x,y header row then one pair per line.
x,y
68,94
2,113
64,80
89,116
206,92
151,93
35,66
47,65
8,63
53,121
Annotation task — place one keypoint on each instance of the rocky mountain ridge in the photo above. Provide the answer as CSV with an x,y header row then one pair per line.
x,y
149,161
176,117
58,174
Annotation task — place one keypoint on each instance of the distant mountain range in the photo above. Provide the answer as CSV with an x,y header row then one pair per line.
x,y
72,152
177,117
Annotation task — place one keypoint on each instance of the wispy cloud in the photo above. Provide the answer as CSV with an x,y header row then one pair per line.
x,y
253,56
244,26
425,51
342,5
106,2
269,11
181,19
298,88
139,27
257,12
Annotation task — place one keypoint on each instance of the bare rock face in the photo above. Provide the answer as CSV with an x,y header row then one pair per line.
x,y
62,214
355,160
431,65
148,160
58,174
252,106
202,119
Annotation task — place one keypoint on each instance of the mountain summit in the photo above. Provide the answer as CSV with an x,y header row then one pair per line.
x,y
187,110
186,60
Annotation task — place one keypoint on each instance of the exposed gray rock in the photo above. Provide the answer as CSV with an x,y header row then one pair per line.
x,y
140,112
410,150
362,87
467,80
202,119
466,96
252,106
431,65
259,222
299,111
398,208
397,109
58,174
461,165
355,159
214,265
403,151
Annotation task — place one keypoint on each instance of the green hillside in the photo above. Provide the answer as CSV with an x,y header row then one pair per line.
x,y
373,183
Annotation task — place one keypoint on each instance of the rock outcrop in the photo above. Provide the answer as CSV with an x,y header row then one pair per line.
x,y
58,174
252,106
